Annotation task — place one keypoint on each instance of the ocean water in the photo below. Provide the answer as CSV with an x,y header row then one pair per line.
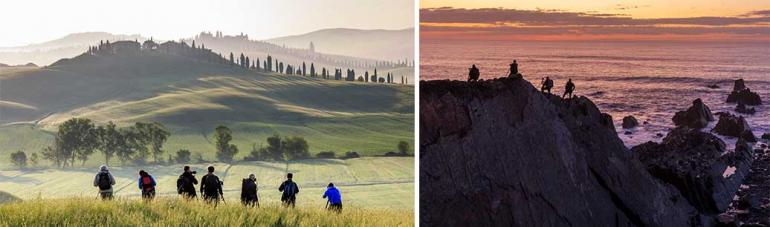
x,y
648,80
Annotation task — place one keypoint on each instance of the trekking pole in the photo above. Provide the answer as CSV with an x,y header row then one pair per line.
x,y
327,205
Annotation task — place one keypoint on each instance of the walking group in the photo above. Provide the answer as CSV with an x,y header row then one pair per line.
x,y
211,188
513,72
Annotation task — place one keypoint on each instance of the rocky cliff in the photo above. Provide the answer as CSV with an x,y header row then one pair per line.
x,y
500,153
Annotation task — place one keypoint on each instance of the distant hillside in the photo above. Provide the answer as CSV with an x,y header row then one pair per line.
x,y
6,197
389,45
193,91
66,47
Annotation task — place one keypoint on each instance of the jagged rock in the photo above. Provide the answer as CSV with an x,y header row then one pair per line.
x,y
697,116
766,136
735,126
692,161
630,122
500,153
712,86
741,108
739,85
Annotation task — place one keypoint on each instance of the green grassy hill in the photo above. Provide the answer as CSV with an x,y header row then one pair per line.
x,y
372,182
192,96
7,197
173,212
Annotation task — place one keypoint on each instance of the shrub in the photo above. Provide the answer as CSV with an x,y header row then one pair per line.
x,y
325,154
183,156
351,154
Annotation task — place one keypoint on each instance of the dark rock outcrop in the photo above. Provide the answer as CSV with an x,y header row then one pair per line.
x,y
766,136
694,163
500,153
743,95
735,126
630,122
741,108
697,116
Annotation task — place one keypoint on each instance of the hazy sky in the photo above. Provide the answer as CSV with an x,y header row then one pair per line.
x,y
34,21
685,20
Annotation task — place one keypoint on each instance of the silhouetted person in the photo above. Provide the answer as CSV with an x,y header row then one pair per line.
x,y
249,191
473,73
186,183
104,181
334,198
211,187
568,89
513,72
547,85
290,190
146,185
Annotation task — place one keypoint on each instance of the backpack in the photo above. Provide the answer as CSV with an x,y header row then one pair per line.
x,y
104,181
290,188
147,183
180,184
212,183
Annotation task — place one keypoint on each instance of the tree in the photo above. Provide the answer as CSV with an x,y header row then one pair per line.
x,y
78,139
34,158
232,58
312,70
109,137
182,156
296,148
155,135
275,147
19,159
403,147
303,68
225,150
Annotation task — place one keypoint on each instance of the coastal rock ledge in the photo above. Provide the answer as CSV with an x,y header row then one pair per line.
x,y
500,153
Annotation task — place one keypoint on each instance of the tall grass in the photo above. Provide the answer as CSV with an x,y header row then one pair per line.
x,y
179,212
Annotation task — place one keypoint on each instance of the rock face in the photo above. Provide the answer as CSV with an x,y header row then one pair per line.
x,y
630,122
741,108
500,153
735,126
694,163
697,116
743,95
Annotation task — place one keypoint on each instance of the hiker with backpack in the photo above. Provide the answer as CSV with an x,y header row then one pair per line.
x,y
473,73
147,185
249,191
185,185
211,187
290,190
104,181
334,198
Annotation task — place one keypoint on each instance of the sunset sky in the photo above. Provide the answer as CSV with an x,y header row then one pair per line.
x,y
34,21
690,20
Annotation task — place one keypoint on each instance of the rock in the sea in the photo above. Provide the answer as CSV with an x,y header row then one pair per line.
x,y
739,85
630,122
697,116
500,153
766,136
694,163
741,108
712,86
735,126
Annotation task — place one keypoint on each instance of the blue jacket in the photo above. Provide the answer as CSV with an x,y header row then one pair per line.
x,y
141,185
333,195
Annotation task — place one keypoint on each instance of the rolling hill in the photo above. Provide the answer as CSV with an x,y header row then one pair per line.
x,y
379,44
68,46
192,95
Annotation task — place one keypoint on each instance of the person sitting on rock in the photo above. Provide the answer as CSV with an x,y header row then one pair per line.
x,y
568,89
547,85
513,72
473,74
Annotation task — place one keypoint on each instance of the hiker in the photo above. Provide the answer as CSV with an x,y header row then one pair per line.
x,y
249,191
513,72
147,185
104,181
185,185
547,85
473,73
211,187
334,198
290,190
568,89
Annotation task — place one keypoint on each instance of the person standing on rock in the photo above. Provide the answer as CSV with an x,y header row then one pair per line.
x,y
473,73
513,71
547,85
568,89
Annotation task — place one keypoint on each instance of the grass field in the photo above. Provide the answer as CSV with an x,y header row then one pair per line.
x,y
191,98
369,182
176,212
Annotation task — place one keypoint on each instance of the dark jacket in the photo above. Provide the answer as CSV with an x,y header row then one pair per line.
x,y
289,189
211,186
189,182
249,190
